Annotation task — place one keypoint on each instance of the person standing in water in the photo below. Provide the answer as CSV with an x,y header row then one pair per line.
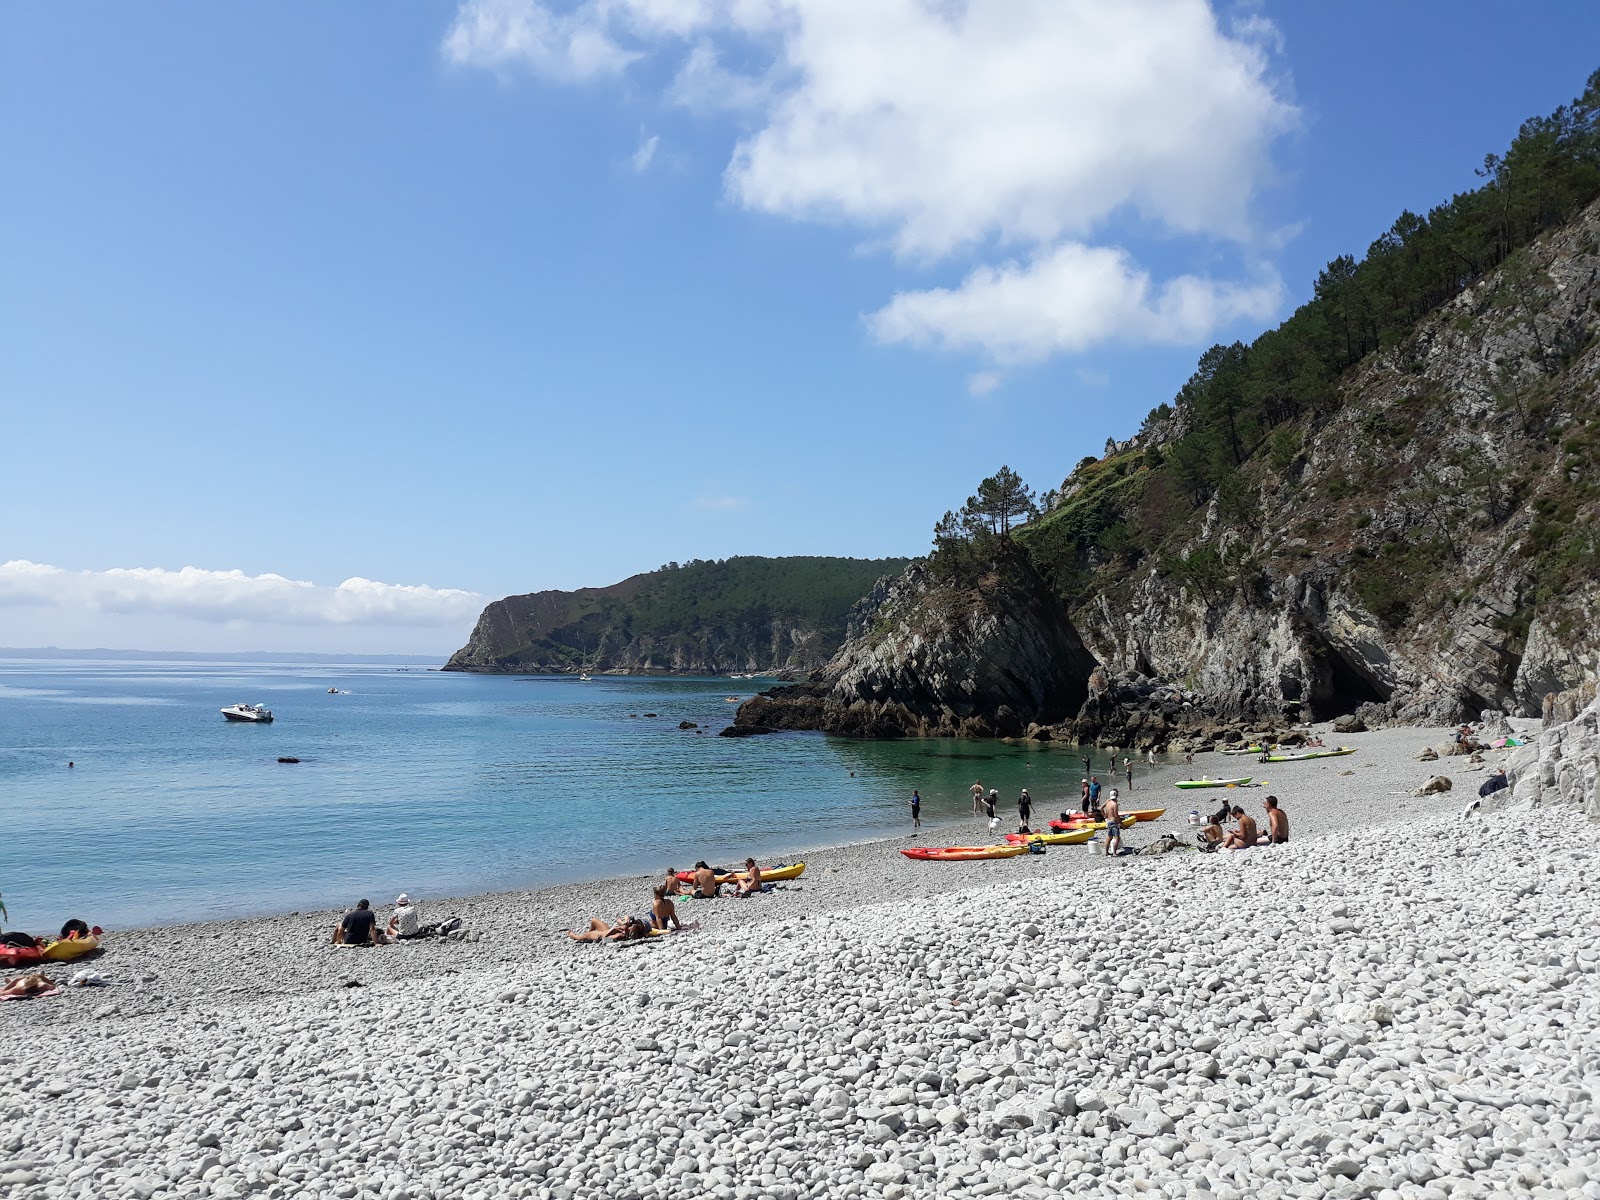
x,y
1150,756
916,809
1127,767
977,796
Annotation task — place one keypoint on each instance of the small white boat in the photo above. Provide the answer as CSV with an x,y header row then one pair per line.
x,y
259,714
584,679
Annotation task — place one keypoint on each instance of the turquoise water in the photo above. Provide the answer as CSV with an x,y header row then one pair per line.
x,y
432,783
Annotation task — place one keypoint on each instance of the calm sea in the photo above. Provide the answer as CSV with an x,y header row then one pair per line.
x,y
414,780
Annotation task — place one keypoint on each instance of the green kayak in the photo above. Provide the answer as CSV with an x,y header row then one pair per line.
x,y
1208,783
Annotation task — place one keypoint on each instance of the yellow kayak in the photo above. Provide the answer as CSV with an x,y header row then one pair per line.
x,y
768,874
67,949
1073,837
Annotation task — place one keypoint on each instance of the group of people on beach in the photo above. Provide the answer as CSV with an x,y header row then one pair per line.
x,y
704,884
359,926
1246,833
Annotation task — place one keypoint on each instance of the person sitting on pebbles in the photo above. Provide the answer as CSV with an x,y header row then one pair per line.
x,y
750,884
359,927
627,929
672,883
663,912
1245,835
406,923
1277,833
705,881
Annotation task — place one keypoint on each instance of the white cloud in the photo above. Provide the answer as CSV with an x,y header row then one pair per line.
x,y
719,503
981,383
497,34
228,597
645,154
956,128
1067,299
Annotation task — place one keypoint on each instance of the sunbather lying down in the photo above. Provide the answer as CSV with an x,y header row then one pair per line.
x,y
32,986
625,930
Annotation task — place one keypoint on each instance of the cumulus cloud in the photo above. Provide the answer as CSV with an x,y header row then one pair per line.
x,y
228,597
1067,299
951,130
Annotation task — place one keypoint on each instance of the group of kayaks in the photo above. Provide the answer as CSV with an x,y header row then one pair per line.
x,y
60,950
1071,832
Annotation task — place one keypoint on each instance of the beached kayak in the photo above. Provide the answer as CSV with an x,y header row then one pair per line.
x,y
20,956
1309,754
1246,750
1128,818
1066,837
962,853
768,874
67,949
1210,783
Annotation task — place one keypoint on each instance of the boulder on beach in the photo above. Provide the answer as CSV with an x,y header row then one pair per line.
x,y
1439,783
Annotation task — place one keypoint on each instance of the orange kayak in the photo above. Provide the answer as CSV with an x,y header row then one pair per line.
x,y
962,853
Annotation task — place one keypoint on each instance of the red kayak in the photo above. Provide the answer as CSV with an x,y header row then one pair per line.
x,y
962,853
20,956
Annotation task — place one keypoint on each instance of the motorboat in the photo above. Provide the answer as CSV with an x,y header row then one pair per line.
x,y
259,714
584,678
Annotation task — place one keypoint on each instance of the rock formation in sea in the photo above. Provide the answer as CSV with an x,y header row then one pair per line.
x,y
744,614
1387,508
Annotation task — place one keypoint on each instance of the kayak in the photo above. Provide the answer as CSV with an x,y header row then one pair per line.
x,y
19,956
1246,750
1069,837
962,853
1128,818
67,949
1340,752
1146,814
768,874
1210,783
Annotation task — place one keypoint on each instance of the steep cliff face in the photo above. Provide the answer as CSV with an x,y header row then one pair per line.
x,y
705,618
931,658
1421,545
1427,552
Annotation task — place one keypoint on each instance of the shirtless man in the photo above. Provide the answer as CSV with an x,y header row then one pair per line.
x,y
1112,811
977,796
750,885
1277,824
705,881
1243,837
672,883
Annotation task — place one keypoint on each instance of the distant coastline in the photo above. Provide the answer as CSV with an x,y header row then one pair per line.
x,y
242,656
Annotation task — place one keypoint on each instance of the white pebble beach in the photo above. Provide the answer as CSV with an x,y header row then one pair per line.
x,y
1402,1002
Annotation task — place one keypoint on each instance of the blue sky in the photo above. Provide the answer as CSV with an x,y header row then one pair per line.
x,y
452,301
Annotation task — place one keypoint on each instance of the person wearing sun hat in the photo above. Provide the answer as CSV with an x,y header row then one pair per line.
x,y
407,919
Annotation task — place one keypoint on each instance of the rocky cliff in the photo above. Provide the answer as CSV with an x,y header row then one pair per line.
x,y
994,656
772,615
1363,513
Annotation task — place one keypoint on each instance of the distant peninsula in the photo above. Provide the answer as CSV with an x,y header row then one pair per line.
x,y
706,617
